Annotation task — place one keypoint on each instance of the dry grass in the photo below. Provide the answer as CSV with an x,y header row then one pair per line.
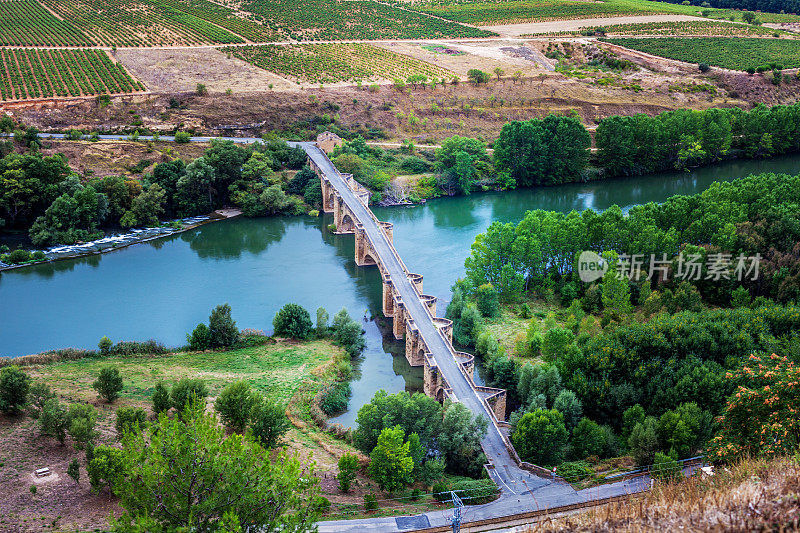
x,y
754,495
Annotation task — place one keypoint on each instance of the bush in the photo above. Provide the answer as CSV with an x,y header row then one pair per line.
x,y
14,387
703,67
200,338
370,502
187,390
161,398
37,396
588,439
478,76
475,491
234,405
105,345
106,467
74,470
269,422
348,467
81,420
108,383
665,468
182,137
18,256
574,471
222,327
130,419
441,491
53,420
335,399
487,300
292,321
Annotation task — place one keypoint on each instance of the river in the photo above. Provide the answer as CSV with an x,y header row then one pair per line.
x,y
162,289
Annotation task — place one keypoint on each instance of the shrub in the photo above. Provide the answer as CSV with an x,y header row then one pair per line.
x,y
18,256
370,502
106,467
222,327
269,422
292,321
475,491
182,137
703,67
588,439
200,338
478,76
234,405
81,420
348,466
37,396
335,399
74,470
53,420
487,300
161,398
441,491
14,387
130,419
108,383
187,390
574,471
105,345
665,468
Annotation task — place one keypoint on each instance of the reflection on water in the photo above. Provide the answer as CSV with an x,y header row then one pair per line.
x,y
162,289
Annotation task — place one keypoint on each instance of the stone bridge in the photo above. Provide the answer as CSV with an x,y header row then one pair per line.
x,y
448,373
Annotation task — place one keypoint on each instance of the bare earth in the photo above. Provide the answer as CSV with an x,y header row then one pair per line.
x,y
515,30
181,69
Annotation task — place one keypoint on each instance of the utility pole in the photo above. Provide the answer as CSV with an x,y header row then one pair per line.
x,y
455,520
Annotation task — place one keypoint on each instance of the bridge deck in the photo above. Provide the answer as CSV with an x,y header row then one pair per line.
x,y
506,472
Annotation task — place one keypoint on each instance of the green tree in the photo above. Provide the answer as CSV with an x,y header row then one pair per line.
x,y
460,440
632,416
488,300
348,467
588,439
415,413
292,321
164,481
568,404
186,391
467,328
108,383
322,322
70,218
53,420
390,463
222,328
105,345
348,333
235,404
273,200
540,437
38,394
81,421
161,398
14,387
106,468
195,188
643,441
683,430
555,343
74,470
146,208
477,76
269,422
130,418
200,338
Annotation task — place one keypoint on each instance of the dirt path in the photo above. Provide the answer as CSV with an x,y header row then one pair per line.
x,y
515,30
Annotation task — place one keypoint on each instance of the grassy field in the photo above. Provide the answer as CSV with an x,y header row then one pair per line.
x,y
331,63
736,54
277,369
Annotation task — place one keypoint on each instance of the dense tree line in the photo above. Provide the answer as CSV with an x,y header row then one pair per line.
x,y
639,144
42,194
745,217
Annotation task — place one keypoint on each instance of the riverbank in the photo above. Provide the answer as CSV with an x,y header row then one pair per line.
x,y
116,241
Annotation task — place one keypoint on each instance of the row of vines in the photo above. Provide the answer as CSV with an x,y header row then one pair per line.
x,y
25,22
331,63
35,73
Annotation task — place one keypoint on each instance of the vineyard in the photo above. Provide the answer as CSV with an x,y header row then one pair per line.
x,y
27,23
35,73
331,63
731,53
519,11
351,19
692,28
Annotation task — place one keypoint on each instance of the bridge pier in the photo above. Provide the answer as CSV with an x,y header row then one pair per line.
x,y
416,280
365,256
399,322
328,195
415,346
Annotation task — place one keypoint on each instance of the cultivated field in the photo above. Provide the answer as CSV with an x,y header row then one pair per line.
x,y
688,26
31,73
735,54
332,63
27,23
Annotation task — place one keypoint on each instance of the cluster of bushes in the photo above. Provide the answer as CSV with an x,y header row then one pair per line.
x,y
20,256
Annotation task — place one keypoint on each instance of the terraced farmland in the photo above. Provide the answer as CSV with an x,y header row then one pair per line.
x,y
27,73
350,19
331,63
731,53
